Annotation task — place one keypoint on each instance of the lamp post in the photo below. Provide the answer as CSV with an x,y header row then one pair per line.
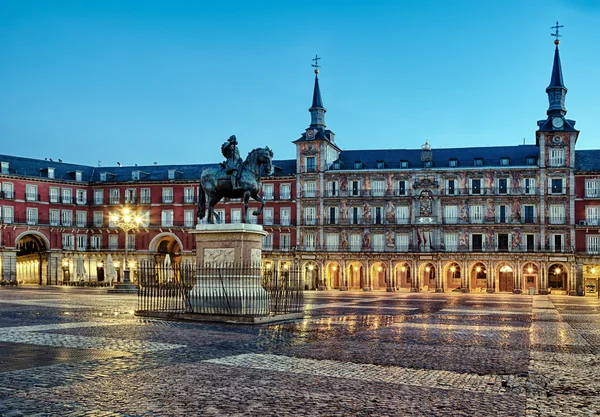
x,y
126,221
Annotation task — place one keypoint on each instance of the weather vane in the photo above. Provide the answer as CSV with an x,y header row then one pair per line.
x,y
316,64
555,34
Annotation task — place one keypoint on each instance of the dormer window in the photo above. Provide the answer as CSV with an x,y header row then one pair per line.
x,y
478,162
403,164
135,175
505,161
50,172
359,164
78,175
4,167
453,163
530,160
103,176
335,165
173,173
381,164
427,164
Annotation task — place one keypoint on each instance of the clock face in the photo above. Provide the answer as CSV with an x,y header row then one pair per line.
x,y
557,122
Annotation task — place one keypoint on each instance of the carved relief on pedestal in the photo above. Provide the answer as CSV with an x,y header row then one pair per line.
x,y
219,256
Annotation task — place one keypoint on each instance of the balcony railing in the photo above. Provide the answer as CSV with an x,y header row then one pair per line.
x,y
8,195
144,199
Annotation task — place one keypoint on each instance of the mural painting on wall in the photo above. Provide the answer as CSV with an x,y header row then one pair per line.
x,y
516,238
463,240
463,183
343,212
515,211
366,213
490,239
344,240
366,185
343,184
489,210
516,181
489,182
426,203
389,185
463,214
390,213
389,239
366,239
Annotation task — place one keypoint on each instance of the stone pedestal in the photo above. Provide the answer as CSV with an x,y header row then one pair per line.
x,y
125,287
220,244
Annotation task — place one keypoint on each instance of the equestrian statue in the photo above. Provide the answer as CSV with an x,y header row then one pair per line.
x,y
234,178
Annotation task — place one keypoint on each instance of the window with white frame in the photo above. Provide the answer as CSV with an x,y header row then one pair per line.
x,y
188,218
378,242
166,218
355,242
332,241
354,214
81,242
188,195
451,187
268,242
557,157
332,189
377,215
310,189
557,214
50,172
4,168
32,215
267,191
145,217
529,186
476,214
355,188
284,241
451,242
311,164
103,176
67,218
67,196
310,215
112,218
592,215
8,190
68,241
556,242
502,186
78,175
450,214
253,218
81,196
96,241
98,197
130,194
378,188
135,175
145,196
31,192
81,219
8,215
502,214
236,215
332,215
98,219
113,242
53,191
285,217
402,242
591,188
284,192
167,195
475,186
556,186
115,196
592,244
268,215
131,241
309,241
54,217
401,187
402,215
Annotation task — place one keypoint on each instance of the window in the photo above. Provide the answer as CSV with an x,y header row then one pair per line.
x,y
68,242
359,165
167,195
145,196
81,219
166,218
591,188
355,188
427,164
284,241
355,242
268,215
557,157
451,242
96,242
530,160
53,191
503,242
401,187
267,191
475,186
402,242
31,192
478,162
268,242
502,185
450,214
378,188
8,190
557,214
285,216
332,189
236,215
378,242
310,189
556,186
188,218
284,192
54,217
7,214
67,196
145,216
32,215
135,175
592,215
502,210
309,241
130,194
67,218
78,175
98,219
115,196
311,164
592,244
529,214
450,187
81,196
377,215
4,166
103,176
476,214
380,164
402,215
331,241
453,163
310,215
219,215
81,242
556,243
403,164
113,242
111,222
188,195
529,185
530,243
477,242
354,215
98,197
504,162
131,241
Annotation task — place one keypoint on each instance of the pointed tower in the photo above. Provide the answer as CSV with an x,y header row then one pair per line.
x,y
317,111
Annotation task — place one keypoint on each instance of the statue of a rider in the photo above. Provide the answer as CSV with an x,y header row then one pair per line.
x,y
233,164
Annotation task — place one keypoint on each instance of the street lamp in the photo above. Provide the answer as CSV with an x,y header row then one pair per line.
x,y
126,221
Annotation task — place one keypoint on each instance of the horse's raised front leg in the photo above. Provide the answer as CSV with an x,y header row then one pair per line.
x,y
246,214
258,198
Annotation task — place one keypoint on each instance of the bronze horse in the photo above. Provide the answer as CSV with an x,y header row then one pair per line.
x,y
216,184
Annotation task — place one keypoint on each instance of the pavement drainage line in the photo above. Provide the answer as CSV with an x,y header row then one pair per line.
x,y
441,379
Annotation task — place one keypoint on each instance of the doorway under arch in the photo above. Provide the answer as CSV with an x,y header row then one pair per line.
x,y
557,277
32,258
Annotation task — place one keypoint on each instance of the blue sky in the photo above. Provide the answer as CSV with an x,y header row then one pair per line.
x,y
147,81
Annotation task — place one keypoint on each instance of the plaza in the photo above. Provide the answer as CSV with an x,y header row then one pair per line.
x,y
70,351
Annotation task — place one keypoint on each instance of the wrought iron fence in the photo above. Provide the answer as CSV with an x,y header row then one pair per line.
x,y
228,290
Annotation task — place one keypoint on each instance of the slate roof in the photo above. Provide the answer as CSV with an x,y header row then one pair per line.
x,y
556,80
317,101
587,160
465,156
30,167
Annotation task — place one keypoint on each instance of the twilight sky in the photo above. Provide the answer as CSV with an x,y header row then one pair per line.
x,y
168,81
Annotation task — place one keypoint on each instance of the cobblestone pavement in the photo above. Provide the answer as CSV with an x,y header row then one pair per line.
x,y
82,352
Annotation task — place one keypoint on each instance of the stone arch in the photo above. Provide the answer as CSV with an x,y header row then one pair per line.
x,y
506,274
558,277
43,238
402,273
378,273
333,275
32,257
478,274
156,240
356,274
310,273
452,276
427,275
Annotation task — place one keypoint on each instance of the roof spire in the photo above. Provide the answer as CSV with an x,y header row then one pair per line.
x,y
317,111
556,90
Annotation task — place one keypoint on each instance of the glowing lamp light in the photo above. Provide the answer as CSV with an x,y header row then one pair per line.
x,y
285,266
379,269
453,269
356,268
334,268
100,264
268,265
427,269
557,271
530,270
593,270
403,269
310,267
478,269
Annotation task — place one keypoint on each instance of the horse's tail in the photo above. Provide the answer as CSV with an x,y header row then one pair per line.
x,y
202,204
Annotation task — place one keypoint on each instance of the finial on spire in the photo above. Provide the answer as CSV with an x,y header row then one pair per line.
x,y
555,34
316,64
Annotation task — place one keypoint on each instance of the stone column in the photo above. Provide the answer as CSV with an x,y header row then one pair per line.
x,y
367,275
491,279
414,277
343,276
543,281
465,278
439,279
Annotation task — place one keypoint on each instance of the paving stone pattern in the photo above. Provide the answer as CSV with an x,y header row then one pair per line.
x,y
80,352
